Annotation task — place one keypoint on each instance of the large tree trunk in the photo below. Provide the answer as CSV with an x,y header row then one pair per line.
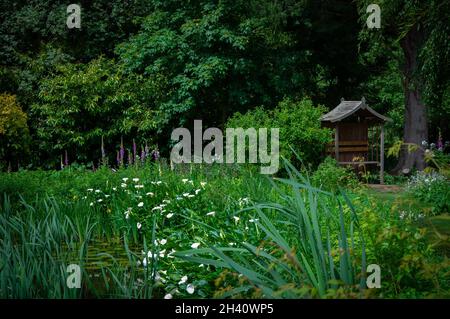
x,y
415,122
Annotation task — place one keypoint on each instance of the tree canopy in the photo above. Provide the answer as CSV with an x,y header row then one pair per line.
x,y
137,69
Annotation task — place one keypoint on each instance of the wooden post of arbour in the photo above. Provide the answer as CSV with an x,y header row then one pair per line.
x,y
382,155
336,143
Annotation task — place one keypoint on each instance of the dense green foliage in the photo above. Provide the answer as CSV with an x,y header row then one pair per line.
x,y
166,63
85,102
299,124
84,113
332,177
308,243
14,133
410,53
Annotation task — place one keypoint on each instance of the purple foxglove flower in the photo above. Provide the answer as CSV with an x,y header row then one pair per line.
x,y
440,144
118,158
122,152
155,154
147,150
66,159
134,150
142,154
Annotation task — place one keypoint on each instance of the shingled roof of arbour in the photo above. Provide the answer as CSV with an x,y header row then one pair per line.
x,y
348,108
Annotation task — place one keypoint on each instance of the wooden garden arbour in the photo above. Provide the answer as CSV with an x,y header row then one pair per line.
x,y
358,134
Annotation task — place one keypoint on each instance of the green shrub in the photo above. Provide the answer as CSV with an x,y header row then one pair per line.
x,y
299,124
14,134
410,265
329,176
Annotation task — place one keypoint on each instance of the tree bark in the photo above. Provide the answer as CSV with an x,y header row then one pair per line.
x,y
415,121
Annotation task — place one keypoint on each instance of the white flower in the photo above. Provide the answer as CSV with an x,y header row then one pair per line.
x,y
185,194
184,180
157,208
195,245
168,296
236,218
190,289
169,215
144,262
138,225
159,278
190,196
90,190
149,194
97,191
138,186
125,179
169,255
91,204
253,220
106,196
211,214
135,179
197,191
141,204
114,188
100,200
166,201
123,185
163,241
183,280
203,184
127,213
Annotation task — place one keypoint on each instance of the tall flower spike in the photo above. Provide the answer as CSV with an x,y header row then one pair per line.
x,y
103,153
147,150
134,151
122,151
440,144
142,155
66,159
